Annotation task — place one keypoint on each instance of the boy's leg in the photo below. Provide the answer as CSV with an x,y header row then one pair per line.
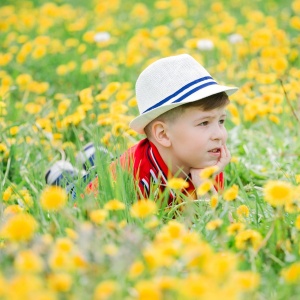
x,y
65,175
86,157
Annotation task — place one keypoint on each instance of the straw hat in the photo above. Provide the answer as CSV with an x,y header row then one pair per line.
x,y
170,82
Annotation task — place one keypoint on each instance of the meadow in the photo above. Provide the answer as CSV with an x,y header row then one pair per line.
x,y
67,76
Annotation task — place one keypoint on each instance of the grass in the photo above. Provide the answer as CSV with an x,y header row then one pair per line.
x,y
77,255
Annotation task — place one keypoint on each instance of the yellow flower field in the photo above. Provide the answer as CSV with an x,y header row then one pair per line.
x,y
67,76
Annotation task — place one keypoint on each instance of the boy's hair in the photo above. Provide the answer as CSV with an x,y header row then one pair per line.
x,y
206,104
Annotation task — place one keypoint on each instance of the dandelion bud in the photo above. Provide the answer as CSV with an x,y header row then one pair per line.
x,y
205,45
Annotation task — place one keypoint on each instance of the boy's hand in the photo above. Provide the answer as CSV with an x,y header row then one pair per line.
x,y
224,159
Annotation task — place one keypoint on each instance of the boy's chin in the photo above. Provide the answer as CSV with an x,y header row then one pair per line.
x,y
207,165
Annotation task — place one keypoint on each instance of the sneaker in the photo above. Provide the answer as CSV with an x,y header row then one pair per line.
x,y
61,173
86,157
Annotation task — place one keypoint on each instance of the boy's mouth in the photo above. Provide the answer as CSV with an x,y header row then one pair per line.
x,y
215,150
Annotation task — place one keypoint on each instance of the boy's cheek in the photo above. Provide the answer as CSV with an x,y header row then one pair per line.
x,y
225,135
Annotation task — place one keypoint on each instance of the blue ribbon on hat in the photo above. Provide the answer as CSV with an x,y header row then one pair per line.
x,y
160,103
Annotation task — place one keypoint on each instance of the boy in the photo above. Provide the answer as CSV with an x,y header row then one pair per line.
x,y
182,113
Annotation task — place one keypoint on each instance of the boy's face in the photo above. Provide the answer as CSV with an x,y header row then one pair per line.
x,y
196,138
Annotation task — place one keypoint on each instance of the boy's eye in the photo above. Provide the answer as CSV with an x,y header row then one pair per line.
x,y
204,123
222,121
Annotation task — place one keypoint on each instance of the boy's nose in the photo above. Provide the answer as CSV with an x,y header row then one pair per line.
x,y
218,133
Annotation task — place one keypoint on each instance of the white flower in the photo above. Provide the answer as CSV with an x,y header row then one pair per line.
x,y
235,38
101,37
205,44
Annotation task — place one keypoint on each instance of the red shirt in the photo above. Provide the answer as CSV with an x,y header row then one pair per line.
x,y
149,167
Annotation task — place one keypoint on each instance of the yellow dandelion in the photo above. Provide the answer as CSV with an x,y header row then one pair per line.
x,y
291,274
89,65
295,22
47,239
196,286
143,208
98,216
60,282
118,129
214,224
62,70
20,227
147,289
297,222
274,119
136,269
234,159
69,146
291,207
208,172
221,265
174,229
71,233
231,193
152,223
280,64
140,12
14,130
242,211
278,193
105,289
204,187
296,192
248,238
112,87
81,48
28,261
246,280
39,52
3,147
234,228
26,198
112,225
3,286
214,201
166,282
177,183
132,102
7,194
23,80
110,249
53,198
12,209
5,58
23,285
162,4
297,177
79,261
122,224
63,106
60,260
86,96
296,6
114,205
64,244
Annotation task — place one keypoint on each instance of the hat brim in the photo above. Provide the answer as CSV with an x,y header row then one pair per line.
x,y
139,123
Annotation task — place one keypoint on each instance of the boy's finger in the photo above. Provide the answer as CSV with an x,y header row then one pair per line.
x,y
226,150
223,151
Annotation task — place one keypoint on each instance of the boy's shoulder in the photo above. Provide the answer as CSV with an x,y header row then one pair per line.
x,y
132,155
135,152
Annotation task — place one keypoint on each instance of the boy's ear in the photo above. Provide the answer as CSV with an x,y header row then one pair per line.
x,y
159,133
